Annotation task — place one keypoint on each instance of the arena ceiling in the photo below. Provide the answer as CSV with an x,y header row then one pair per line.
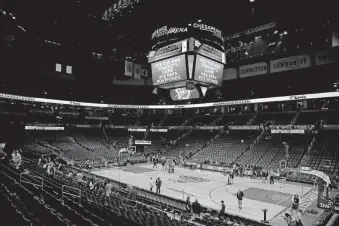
x,y
79,23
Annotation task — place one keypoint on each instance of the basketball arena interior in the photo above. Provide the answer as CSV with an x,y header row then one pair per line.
x,y
168,113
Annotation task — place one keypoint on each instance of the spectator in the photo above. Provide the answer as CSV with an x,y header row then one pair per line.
x,y
158,183
188,204
108,189
151,184
222,211
133,194
196,207
240,195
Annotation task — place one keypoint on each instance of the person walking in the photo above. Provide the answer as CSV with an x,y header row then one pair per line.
x,y
158,183
240,195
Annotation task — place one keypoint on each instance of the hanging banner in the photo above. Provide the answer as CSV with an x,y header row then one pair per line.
x,y
290,63
253,70
229,74
129,68
137,71
144,73
327,57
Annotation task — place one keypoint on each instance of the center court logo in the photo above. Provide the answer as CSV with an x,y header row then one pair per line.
x,y
190,179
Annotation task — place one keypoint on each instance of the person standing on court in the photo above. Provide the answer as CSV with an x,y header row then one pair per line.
x,y
240,195
151,184
158,184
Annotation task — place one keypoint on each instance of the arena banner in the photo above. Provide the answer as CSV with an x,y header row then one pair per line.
x,y
327,57
256,127
253,70
290,63
169,70
230,74
168,51
129,68
202,105
208,71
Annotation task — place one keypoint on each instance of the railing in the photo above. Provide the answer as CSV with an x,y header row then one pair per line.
x,y
67,192
24,179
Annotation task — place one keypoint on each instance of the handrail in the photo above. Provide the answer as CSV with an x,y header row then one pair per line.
x,y
29,182
74,188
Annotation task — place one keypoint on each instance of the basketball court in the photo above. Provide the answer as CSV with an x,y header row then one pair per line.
x,y
210,188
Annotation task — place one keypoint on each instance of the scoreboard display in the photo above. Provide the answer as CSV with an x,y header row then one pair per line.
x,y
169,71
208,71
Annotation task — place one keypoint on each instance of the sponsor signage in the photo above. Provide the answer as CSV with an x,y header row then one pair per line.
x,y
136,130
209,127
69,113
169,70
204,27
85,126
115,127
208,71
229,74
290,63
253,70
184,94
167,51
142,142
159,130
209,51
202,105
243,127
331,127
327,57
286,131
44,128
96,118
298,97
288,127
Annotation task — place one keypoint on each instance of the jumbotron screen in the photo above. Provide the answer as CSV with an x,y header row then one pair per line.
x,y
208,71
169,71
